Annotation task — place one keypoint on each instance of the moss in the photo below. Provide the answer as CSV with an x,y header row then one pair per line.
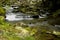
x,y
2,11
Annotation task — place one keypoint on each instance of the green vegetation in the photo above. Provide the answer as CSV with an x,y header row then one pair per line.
x,y
8,31
32,8
2,11
22,31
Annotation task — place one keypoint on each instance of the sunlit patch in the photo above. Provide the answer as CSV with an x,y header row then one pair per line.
x,y
23,32
56,32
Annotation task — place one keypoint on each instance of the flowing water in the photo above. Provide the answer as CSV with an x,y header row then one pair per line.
x,y
10,16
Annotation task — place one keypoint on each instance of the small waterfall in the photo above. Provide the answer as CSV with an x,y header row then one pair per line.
x,y
10,16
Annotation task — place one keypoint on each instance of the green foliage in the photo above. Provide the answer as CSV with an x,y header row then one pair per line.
x,y
8,31
1,19
29,38
2,11
32,9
